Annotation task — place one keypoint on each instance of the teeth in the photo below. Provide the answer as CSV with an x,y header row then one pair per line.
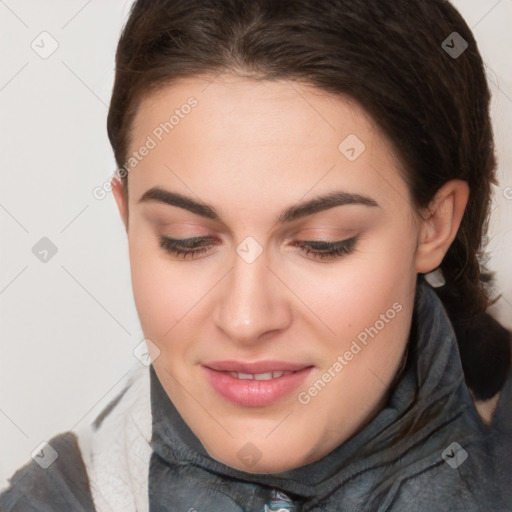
x,y
245,376
259,376
263,376
276,375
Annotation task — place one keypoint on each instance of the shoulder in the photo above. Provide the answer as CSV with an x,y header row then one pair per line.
x,y
473,471
55,480
496,414
90,468
496,411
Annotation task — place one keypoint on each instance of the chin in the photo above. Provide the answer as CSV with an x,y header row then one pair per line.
x,y
261,456
276,464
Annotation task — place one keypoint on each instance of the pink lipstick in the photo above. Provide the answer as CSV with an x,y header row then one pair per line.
x,y
255,384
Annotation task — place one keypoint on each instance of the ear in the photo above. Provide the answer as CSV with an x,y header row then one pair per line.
x,y
121,197
440,223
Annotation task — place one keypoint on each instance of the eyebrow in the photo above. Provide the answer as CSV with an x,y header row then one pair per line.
x,y
297,211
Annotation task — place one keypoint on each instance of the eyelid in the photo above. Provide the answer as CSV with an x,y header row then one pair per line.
x,y
327,243
189,240
178,247
328,248
326,232
188,243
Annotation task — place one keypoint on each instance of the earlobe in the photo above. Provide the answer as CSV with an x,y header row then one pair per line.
x,y
440,224
120,197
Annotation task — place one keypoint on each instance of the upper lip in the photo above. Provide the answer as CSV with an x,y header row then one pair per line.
x,y
255,367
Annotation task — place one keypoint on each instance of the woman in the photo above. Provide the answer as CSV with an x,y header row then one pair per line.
x,y
288,174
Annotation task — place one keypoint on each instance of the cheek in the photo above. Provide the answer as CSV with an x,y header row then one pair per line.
x,y
350,295
367,301
162,296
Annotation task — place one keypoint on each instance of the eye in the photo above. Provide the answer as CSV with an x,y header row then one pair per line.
x,y
193,247
188,247
322,249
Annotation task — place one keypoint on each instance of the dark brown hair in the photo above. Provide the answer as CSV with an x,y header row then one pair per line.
x,y
387,55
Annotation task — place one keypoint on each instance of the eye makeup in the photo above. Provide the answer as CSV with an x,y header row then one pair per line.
x,y
190,248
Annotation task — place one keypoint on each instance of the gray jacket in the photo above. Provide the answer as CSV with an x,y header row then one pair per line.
x,y
427,450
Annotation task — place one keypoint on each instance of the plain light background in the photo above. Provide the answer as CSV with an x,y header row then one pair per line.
x,y
69,326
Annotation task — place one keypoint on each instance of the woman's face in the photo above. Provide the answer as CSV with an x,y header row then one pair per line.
x,y
299,244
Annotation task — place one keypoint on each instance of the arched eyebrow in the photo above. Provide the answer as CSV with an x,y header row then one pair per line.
x,y
297,211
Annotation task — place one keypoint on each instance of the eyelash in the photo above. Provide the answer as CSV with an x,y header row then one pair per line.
x,y
320,249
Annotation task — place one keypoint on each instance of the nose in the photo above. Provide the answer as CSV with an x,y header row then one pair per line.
x,y
252,302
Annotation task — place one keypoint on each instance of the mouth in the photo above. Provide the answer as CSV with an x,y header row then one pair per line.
x,y
255,384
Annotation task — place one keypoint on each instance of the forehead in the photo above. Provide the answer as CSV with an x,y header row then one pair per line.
x,y
272,136
254,113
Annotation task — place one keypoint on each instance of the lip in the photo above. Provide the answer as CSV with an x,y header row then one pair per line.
x,y
255,367
254,393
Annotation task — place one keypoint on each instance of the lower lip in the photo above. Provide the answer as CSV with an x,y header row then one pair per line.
x,y
255,393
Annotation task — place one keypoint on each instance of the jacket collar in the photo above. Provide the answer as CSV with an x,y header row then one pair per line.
x,y
429,393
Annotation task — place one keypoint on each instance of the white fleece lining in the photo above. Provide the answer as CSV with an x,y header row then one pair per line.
x,y
117,455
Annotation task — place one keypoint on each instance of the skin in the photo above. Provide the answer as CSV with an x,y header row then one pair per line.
x,y
250,150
